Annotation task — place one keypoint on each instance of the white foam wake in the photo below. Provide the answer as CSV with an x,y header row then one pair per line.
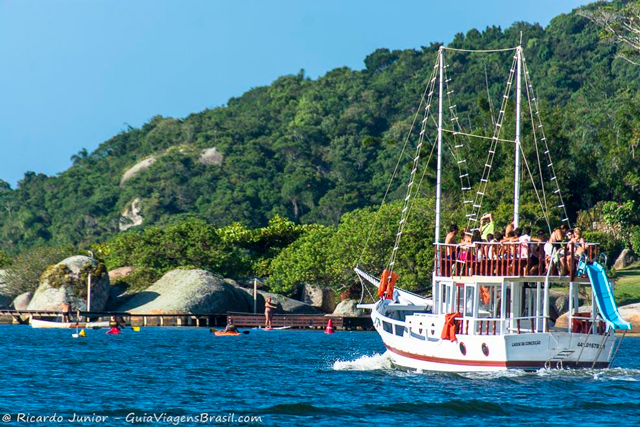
x,y
620,374
365,363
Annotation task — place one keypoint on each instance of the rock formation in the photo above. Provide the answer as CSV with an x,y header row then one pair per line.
x,y
21,302
347,308
210,156
625,259
322,298
131,216
188,291
66,283
136,169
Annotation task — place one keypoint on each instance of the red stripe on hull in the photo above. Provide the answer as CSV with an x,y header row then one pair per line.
x,y
514,364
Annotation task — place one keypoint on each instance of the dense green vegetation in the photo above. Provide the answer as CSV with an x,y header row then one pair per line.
x,y
628,285
321,152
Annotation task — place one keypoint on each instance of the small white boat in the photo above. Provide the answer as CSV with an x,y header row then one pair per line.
x,y
47,324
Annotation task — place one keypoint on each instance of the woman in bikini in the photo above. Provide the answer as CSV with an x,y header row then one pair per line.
x,y
269,309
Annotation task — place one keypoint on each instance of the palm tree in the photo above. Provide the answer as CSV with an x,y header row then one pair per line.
x,y
80,156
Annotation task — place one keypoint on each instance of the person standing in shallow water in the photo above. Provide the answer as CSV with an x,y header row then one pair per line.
x,y
269,308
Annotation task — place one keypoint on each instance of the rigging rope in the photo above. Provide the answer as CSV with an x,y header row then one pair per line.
x,y
565,217
416,160
535,189
479,51
543,203
465,181
486,82
472,218
395,170
470,135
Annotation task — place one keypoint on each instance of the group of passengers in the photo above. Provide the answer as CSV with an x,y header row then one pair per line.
x,y
515,243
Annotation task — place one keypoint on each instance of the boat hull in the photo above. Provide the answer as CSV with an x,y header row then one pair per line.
x,y
46,324
416,343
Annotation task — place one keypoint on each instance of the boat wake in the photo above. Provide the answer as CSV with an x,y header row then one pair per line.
x,y
365,363
512,373
611,374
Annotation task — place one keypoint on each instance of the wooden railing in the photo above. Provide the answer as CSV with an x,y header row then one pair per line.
x,y
493,326
484,326
508,259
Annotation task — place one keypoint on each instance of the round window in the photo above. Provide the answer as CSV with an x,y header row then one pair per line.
x,y
463,349
485,349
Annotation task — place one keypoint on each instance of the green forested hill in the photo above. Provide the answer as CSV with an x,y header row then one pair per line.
x,y
311,150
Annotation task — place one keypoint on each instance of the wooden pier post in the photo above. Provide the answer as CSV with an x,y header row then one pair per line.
x,y
255,295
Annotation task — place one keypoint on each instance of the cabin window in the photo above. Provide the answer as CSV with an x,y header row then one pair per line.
x,y
387,327
487,301
469,300
399,330
445,298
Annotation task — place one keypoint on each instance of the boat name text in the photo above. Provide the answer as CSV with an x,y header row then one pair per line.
x,y
523,343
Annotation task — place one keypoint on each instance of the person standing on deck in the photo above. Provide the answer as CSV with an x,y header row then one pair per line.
x,y
450,239
487,226
524,237
269,309
557,236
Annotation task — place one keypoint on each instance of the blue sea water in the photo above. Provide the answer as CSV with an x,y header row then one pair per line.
x,y
287,378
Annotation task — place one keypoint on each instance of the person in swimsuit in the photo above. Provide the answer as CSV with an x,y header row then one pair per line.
x,y
66,312
579,246
537,253
450,239
269,309
557,236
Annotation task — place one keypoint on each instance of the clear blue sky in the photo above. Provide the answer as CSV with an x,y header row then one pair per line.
x,y
73,72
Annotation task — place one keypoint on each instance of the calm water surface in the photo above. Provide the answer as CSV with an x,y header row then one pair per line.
x,y
287,378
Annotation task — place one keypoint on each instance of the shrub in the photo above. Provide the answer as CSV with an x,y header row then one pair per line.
x,y
24,272
608,244
634,239
139,279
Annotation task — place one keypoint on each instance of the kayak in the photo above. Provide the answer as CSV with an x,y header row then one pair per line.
x,y
226,334
114,331
46,324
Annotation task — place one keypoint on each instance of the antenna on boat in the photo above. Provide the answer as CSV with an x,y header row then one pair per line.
x,y
439,155
516,196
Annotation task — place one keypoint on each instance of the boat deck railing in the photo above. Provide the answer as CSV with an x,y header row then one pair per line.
x,y
514,259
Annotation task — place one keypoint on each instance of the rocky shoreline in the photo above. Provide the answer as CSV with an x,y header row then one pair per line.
x,y
179,291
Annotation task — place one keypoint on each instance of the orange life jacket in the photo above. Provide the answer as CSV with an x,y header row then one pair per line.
x,y
387,283
449,328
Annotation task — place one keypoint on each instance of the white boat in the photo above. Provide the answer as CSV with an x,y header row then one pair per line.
x,y
489,307
47,324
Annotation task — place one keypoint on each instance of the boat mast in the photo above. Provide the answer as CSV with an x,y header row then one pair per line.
x,y
516,196
439,165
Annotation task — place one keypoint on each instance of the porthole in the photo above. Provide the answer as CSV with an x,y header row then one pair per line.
x,y
463,349
485,349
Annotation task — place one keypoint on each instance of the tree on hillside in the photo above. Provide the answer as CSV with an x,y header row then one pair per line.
x,y
80,156
620,25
